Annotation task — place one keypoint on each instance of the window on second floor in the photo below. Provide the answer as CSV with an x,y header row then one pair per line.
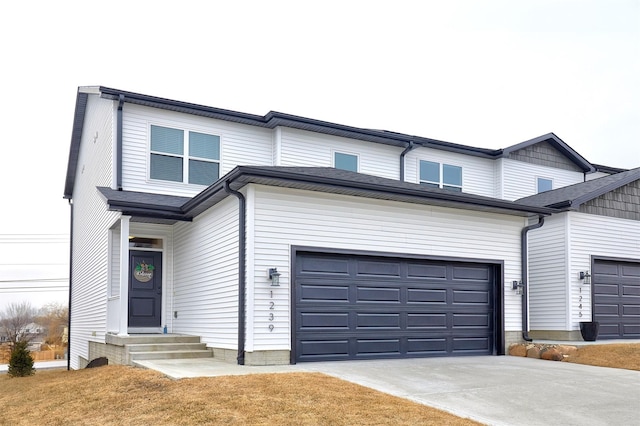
x,y
544,184
440,175
345,161
184,156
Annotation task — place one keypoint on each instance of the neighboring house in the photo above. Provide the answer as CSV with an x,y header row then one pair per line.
x,y
284,239
597,234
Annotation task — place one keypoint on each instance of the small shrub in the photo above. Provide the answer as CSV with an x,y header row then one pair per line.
x,y
21,362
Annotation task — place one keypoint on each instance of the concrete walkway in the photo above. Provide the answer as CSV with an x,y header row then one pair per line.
x,y
495,390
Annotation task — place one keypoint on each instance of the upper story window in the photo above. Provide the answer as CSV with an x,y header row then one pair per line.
x,y
345,161
440,175
184,156
544,184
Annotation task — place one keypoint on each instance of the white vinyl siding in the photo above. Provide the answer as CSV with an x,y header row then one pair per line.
x,y
206,276
308,149
559,251
520,179
593,235
284,218
596,175
90,258
478,174
239,145
548,290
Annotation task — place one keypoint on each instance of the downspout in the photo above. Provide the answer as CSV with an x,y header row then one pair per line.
x,y
241,268
525,291
70,281
406,150
119,144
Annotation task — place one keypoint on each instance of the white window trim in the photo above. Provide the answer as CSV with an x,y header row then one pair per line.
x,y
441,165
336,151
185,156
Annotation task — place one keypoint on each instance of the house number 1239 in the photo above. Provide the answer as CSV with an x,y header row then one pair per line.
x,y
272,306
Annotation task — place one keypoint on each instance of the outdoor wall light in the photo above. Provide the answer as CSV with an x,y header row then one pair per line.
x,y
517,286
585,277
274,276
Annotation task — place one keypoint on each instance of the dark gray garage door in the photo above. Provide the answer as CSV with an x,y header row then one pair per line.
x,y
364,307
616,299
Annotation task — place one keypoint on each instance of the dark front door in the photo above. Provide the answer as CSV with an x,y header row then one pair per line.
x,y
145,288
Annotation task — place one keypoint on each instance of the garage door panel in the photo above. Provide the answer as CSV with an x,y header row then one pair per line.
x,y
631,290
471,296
631,271
377,294
377,268
427,347
324,265
376,320
466,320
606,289
437,272
417,295
323,293
470,273
632,329
609,329
322,348
318,320
426,321
606,268
631,311
616,298
367,347
607,310
471,344
393,308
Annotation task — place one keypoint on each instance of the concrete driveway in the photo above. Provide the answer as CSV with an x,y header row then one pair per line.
x,y
503,390
495,390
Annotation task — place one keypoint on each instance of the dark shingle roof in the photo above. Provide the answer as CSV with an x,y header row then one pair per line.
x,y
322,179
574,195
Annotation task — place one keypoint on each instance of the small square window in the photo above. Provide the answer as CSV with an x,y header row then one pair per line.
x,y
544,185
346,161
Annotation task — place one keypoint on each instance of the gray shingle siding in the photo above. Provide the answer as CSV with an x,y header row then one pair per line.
x,y
544,154
623,203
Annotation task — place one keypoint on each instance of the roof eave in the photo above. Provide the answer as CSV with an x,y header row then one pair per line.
x,y
557,143
74,149
243,175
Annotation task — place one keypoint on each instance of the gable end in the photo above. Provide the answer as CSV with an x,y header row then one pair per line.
x,y
622,203
544,154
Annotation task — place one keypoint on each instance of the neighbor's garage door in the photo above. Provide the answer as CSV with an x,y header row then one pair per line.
x,y
363,307
616,299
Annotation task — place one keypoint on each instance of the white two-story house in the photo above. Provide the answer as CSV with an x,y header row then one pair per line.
x,y
284,239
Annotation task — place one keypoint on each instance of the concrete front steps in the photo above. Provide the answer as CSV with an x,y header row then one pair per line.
x,y
139,347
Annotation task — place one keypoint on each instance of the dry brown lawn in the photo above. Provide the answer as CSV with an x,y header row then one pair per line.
x,y
131,396
622,355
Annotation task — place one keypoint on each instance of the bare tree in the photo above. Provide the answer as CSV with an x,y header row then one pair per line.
x,y
54,317
15,320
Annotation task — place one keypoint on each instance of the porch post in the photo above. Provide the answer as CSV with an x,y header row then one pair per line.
x,y
124,275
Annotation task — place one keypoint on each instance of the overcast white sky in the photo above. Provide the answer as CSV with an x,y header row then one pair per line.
x,y
483,73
